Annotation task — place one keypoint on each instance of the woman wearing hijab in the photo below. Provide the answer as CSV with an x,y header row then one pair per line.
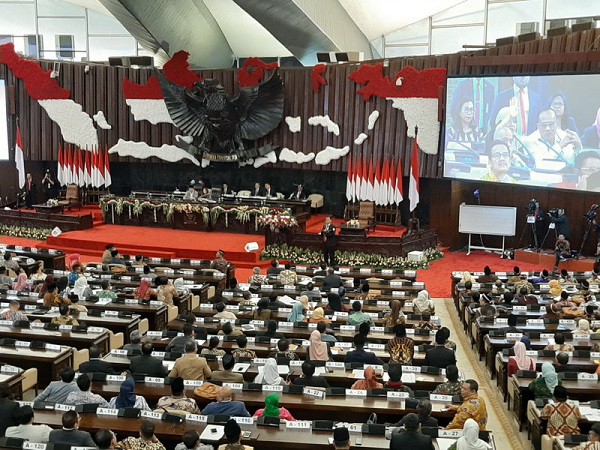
x,y
127,397
544,386
305,303
74,259
297,314
423,303
334,303
82,289
180,287
520,361
395,316
143,292
39,274
318,350
272,409
583,327
21,283
470,438
525,340
269,375
555,288
262,311
318,316
591,135
370,381
466,277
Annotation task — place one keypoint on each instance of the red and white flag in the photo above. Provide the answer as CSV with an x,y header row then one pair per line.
x,y
371,181
107,177
59,167
398,190
68,171
81,167
358,177
19,158
413,187
100,162
389,179
349,180
87,174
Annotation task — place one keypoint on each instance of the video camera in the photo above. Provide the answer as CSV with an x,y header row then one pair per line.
x,y
556,212
591,214
532,206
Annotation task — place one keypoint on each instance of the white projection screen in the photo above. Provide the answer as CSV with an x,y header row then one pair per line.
x,y
4,152
538,130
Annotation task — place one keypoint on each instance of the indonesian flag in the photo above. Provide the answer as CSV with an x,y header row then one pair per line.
x,y
68,172
358,178
385,194
413,188
81,167
100,163
87,175
370,181
378,186
398,189
364,181
107,177
19,159
350,180
59,168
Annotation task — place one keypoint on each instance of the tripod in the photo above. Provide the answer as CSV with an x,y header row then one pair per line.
x,y
531,226
585,236
547,233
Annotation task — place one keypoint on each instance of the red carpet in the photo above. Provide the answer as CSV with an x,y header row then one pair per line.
x,y
159,242
437,278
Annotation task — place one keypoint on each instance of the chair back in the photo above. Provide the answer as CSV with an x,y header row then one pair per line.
x,y
72,192
366,210
316,200
243,194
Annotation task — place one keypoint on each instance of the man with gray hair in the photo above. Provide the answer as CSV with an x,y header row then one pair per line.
x,y
135,341
191,366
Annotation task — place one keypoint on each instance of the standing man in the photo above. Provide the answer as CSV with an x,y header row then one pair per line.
x,y
329,242
48,186
30,194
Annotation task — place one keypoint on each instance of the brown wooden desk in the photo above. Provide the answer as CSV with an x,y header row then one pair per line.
x,y
48,363
66,338
53,259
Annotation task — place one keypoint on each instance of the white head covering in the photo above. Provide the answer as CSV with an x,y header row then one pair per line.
x,y
466,277
180,286
80,285
269,375
470,438
423,302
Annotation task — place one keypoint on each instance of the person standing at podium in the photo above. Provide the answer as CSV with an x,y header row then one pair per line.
x,y
329,242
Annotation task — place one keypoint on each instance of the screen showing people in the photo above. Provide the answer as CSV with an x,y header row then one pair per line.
x,y
541,130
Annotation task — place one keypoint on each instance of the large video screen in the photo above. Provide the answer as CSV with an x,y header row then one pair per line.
x,y
539,130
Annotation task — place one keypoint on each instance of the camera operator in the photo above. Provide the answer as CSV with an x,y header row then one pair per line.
x,y
538,229
561,222
562,250
48,185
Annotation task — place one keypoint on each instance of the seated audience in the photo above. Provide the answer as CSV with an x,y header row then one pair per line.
x,y
106,293
177,401
144,292
106,254
37,434
82,289
341,438
85,395
487,276
5,281
242,351
543,387
272,409
52,298
470,438
225,405
262,311
473,407
70,433
269,374
13,314
274,303
423,303
318,315
212,349
451,387
275,269
562,358
271,331
165,291
486,309
233,435
226,375
334,304
583,327
359,355
297,314
313,294
64,318
283,351
370,381
191,441
96,364
395,382
308,377
331,280
127,397
146,441
317,350
594,442
401,348
395,316
322,327
563,416
191,366
178,342
57,391
410,437
21,285
425,322
559,344
520,361
222,313
8,407
357,316
146,364
440,356
220,263
256,277
138,261
288,276
227,329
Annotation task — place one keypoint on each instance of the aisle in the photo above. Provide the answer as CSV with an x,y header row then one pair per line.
x,y
500,422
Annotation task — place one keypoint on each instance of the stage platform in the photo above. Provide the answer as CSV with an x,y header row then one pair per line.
x,y
545,260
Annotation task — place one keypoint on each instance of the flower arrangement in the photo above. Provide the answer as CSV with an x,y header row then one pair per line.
x,y
38,234
52,202
354,223
355,259
277,220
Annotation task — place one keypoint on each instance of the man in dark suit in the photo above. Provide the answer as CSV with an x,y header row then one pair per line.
x,y
8,407
258,191
269,192
440,356
70,434
95,364
275,269
360,355
30,191
331,281
562,358
481,93
308,378
411,437
147,364
528,104
329,242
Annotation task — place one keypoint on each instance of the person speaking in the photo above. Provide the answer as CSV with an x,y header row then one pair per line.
x,y
329,242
